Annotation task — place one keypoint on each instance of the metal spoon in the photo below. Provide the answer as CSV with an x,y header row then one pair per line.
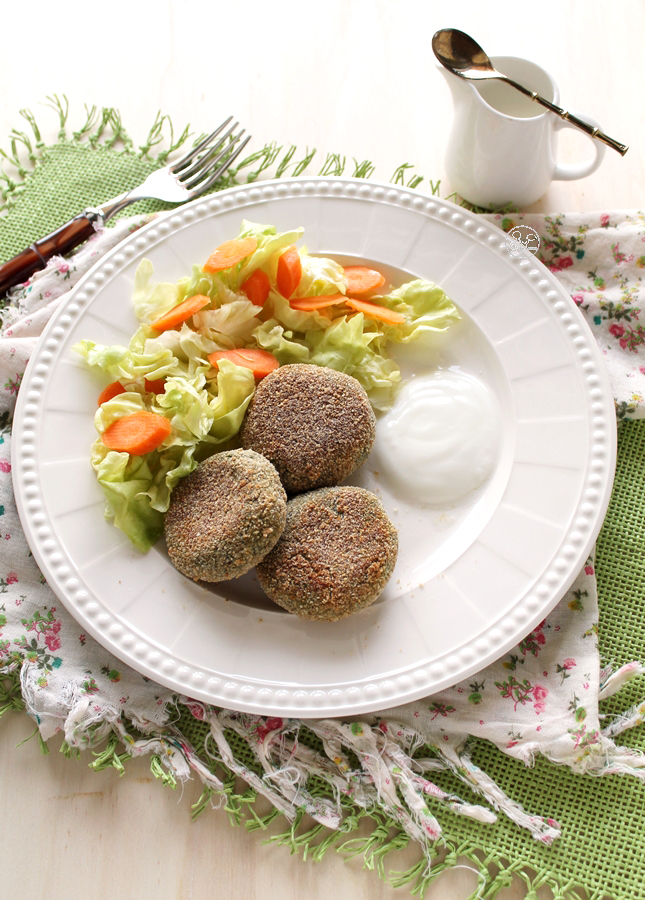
x,y
463,56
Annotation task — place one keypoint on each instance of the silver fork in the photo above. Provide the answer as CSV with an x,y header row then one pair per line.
x,y
187,178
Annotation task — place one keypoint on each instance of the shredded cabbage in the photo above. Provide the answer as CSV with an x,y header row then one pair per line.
x,y
206,406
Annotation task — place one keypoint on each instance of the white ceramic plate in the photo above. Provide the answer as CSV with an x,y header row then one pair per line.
x,y
471,580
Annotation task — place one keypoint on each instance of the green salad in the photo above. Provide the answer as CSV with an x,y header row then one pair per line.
x,y
166,371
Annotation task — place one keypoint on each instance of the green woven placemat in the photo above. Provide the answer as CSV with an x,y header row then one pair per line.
x,y
602,849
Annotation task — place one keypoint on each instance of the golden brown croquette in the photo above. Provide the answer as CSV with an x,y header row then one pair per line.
x,y
225,516
316,425
335,555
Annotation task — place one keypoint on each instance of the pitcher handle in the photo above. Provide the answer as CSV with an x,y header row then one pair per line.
x,y
571,171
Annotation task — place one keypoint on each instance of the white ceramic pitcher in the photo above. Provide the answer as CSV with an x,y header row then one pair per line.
x,y
502,147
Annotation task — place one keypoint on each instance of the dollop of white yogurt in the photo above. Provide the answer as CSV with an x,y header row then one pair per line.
x,y
441,439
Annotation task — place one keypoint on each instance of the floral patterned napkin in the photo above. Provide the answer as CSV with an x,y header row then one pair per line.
x,y
539,699
600,261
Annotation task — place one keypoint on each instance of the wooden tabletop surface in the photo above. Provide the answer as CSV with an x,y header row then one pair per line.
x,y
355,77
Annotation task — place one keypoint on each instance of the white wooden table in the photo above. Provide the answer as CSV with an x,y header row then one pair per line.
x,y
355,77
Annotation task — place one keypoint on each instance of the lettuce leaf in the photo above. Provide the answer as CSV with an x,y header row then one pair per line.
x,y
125,481
144,358
320,276
215,286
189,348
347,347
426,307
236,320
152,300
286,348
210,412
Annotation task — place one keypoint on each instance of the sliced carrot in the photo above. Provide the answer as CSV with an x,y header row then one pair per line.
x,y
137,433
229,254
155,386
376,312
289,271
361,279
112,390
307,304
257,287
260,362
181,312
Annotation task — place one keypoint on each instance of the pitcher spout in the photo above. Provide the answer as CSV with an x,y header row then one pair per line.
x,y
460,89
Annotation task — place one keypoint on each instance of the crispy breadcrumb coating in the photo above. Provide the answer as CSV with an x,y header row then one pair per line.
x,y
316,425
335,555
225,516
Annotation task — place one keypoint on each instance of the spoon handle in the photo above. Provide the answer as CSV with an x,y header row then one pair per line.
x,y
592,130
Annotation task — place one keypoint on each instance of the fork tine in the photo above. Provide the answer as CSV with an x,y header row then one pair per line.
x,y
218,166
188,157
228,162
198,166
204,186
207,163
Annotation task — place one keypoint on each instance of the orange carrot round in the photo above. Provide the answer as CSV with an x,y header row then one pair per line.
x,y
260,362
361,279
229,254
289,271
155,386
307,304
112,390
181,312
374,311
137,433
257,287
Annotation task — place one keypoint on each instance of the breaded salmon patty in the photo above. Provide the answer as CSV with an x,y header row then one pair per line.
x,y
316,425
225,516
335,555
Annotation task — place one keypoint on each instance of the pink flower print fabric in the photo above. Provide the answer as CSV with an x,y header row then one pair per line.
x,y
599,258
540,698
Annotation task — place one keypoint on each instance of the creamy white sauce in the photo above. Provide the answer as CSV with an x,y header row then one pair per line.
x,y
441,439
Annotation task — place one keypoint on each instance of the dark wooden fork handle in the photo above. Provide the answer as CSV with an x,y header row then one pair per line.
x,y
36,257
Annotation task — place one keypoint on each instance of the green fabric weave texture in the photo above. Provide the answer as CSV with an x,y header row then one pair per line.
x,y
602,850
60,179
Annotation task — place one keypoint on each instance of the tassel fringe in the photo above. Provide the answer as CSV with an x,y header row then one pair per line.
x,y
103,126
325,781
